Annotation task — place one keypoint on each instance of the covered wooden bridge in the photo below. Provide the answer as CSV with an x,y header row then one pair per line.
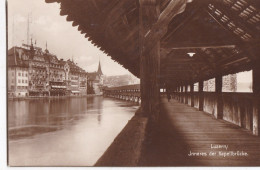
x,y
176,43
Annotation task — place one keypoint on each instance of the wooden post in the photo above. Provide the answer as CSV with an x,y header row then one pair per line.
x,y
256,101
178,93
192,94
182,90
201,97
186,94
218,89
149,60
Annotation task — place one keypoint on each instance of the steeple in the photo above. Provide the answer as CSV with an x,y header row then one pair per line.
x,y
46,50
31,48
99,71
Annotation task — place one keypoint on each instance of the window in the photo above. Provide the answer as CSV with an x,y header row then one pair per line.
x,y
209,85
25,81
22,74
196,87
25,74
22,81
12,80
19,81
19,74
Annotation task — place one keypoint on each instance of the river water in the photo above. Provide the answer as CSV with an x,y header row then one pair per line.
x,y
64,132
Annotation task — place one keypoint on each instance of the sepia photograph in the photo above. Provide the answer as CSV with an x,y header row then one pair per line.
x,y
132,83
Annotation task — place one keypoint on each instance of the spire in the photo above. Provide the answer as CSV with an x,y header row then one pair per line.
x,y
46,50
99,68
31,48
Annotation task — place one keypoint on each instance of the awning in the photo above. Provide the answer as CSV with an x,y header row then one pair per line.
x,y
75,91
60,87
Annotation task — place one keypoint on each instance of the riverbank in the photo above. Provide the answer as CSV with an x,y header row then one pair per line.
x,y
127,146
50,97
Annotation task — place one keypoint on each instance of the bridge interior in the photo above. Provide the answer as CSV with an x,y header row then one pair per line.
x,y
183,129
174,44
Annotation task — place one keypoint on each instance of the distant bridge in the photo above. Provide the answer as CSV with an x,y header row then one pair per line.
x,y
128,93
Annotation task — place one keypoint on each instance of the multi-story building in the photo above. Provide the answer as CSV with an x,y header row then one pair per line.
x,y
38,72
56,75
77,79
32,72
17,72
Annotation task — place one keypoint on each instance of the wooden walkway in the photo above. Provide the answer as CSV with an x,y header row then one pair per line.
x,y
183,129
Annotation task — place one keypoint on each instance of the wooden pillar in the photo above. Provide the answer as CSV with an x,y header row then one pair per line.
x,y
256,99
149,60
218,89
186,94
192,94
177,93
201,96
181,94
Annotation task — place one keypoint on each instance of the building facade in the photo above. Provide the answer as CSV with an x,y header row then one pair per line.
x,y
18,73
77,82
33,72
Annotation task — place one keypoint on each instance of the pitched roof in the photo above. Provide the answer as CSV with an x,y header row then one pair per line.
x,y
18,56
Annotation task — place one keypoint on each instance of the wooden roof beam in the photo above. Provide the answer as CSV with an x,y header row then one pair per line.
x,y
239,21
159,29
115,13
195,9
199,46
52,1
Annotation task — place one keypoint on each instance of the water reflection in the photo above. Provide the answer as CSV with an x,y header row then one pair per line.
x,y
62,132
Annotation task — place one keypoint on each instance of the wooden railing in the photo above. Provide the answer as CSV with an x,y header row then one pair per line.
x,y
238,108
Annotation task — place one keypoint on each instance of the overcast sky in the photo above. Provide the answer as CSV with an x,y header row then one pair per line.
x,y
63,39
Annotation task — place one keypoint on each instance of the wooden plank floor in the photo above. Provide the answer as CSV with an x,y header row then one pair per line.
x,y
183,129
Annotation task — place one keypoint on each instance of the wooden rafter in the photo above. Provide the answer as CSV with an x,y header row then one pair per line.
x,y
160,27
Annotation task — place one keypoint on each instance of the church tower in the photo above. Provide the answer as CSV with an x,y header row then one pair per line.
x,y
99,71
100,75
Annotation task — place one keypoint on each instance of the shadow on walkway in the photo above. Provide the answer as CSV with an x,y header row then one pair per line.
x,y
182,129
164,146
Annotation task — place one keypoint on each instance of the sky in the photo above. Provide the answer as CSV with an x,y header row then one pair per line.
x,y
62,38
